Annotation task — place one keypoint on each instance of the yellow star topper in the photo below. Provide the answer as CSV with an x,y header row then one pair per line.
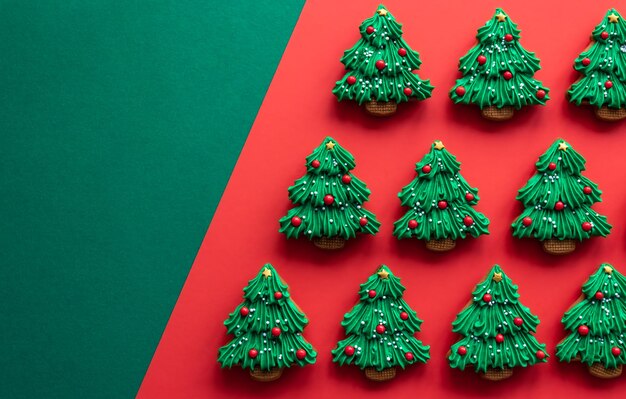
x,y
501,17
497,277
267,272
563,146
382,12
330,145
383,274
613,18
608,269
439,145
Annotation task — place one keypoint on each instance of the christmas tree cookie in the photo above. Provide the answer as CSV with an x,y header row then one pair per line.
x,y
598,323
497,331
498,72
557,202
380,330
381,68
603,66
329,200
267,329
442,203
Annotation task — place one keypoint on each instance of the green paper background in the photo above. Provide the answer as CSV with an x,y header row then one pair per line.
x,y
120,123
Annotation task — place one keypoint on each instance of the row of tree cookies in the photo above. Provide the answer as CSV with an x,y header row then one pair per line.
x,y
497,72
557,202
496,329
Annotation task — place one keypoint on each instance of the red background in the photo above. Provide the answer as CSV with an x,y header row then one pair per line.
x,y
299,111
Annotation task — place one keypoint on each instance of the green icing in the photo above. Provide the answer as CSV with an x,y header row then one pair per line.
x,y
607,62
253,331
371,348
423,194
389,83
341,218
566,184
485,84
605,319
481,321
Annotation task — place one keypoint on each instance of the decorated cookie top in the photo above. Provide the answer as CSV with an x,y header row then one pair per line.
x,y
496,328
597,322
267,327
380,327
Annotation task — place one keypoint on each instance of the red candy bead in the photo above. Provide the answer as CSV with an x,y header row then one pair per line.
x,y
346,179
499,338
541,94
583,330
481,59
296,221
460,91
300,354
604,35
540,355
551,166
616,351
508,37
462,351
468,221
527,221
276,331
559,206
371,293
587,190
380,64
363,222
586,226
408,356
369,30
253,353
244,311
487,298
278,295
401,52
408,91
404,315
608,84
426,169
351,80
469,197
518,321
315,163
442,204
599,295
329,199
412,224
586,61
507,75
349,351
380,329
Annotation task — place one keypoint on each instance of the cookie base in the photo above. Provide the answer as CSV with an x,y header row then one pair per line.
x,y
598,370
610,114
329,242
381,108
497,374
383,375
441,245
497,114
265,375
559,247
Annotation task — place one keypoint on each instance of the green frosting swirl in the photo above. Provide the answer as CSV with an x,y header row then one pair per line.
x,y
341,218
606,62
565,184
480,322
388,84
387,349
422,195
605,319
253,330
485,85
